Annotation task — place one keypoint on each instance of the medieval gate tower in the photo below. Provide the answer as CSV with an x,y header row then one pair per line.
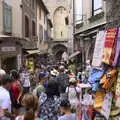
x,y
61,14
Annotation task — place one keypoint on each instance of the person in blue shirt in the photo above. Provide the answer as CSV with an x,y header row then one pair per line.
x,y
65,109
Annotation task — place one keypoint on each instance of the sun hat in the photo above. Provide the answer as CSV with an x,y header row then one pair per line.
x,y
72,80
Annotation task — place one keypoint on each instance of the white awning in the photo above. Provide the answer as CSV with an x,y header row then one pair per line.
x,y
33,51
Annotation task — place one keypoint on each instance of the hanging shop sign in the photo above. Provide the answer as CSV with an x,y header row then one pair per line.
x,y
8,49
30,64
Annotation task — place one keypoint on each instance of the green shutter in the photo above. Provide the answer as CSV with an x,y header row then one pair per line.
x,y
7,18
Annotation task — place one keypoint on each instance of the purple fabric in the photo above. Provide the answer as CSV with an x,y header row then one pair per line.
x,y
116,62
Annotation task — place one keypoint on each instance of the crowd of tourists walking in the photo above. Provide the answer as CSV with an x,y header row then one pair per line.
x,y
51,93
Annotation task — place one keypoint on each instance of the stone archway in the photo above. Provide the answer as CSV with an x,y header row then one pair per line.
x,y
58,50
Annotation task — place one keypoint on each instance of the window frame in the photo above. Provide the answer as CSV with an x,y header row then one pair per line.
x,y
27,26
33,28
95,10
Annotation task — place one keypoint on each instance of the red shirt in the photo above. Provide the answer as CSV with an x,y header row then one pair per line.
x,y
16,89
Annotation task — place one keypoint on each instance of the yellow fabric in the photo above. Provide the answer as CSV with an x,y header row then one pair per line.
x,y
108,81
99,100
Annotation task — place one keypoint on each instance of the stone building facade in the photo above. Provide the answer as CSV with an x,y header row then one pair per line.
x,y
62,34
93,20
17,31
11,41
29,22
112,13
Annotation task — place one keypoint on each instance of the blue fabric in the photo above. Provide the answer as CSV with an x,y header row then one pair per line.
x,y
95,86
95,76
94,79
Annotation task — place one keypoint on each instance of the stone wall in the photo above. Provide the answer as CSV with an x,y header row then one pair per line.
x,y
113,13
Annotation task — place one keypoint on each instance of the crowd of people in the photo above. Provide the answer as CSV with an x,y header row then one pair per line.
x,y
51,93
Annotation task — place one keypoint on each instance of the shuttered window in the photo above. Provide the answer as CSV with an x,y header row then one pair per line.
x,y
41,33
33,28
7,18
26,26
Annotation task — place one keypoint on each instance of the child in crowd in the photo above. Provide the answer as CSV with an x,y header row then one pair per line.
x,y
65,109
30,103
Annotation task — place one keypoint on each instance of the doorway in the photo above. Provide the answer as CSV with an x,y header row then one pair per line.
x,y
9,63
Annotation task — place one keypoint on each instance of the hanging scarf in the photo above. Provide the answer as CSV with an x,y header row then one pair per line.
x,y
99,99
116,62
98,51
117,94
109,47
108,79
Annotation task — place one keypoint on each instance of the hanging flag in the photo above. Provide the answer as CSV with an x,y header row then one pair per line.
x,y
98,51
110,46
116,62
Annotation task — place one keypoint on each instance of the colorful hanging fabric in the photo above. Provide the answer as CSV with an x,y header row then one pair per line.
x,y
95,76
99,99
108,79
98,51
116,62
117,94
110,46
106,108
94,79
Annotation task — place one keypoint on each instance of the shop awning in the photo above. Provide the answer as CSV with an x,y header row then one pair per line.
x,y
33,51
74,54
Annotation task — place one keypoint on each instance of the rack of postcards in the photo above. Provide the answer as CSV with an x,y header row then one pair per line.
x,y
105,76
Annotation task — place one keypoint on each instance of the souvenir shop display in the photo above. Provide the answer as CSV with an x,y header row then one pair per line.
x,y
105,76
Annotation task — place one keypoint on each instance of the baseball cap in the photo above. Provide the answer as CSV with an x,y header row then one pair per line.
x,y
43,74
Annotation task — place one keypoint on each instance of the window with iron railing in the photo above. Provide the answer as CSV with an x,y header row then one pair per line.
x,y
96,7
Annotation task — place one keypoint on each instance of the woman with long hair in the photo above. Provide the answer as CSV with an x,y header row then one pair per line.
x,y
49,105
30,103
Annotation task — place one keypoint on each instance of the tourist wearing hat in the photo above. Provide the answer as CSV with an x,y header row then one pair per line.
x,y
40,88
73,93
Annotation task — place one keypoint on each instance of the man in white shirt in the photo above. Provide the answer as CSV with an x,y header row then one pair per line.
x,y
26,80
5,101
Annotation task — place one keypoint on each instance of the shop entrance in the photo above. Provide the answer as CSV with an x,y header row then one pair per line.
x,y
9,63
